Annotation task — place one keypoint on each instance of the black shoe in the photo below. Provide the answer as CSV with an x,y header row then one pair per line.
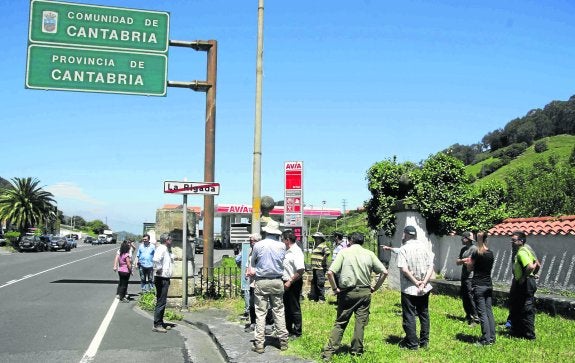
x,y
403,345
423,346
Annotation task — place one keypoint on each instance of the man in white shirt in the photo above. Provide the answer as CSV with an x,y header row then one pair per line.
x,y
415,261
294,267
164,267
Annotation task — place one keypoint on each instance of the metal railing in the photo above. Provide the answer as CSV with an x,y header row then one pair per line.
x,y
218,282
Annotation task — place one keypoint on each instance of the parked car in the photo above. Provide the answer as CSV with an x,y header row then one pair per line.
x,y
100,240
31,243
89,239
47,240
59,243
198,245
72,242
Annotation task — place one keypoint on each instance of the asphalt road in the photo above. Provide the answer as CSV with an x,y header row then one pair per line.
x,y
61,307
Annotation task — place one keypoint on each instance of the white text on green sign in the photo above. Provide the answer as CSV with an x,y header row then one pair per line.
x,y
98,26
96,70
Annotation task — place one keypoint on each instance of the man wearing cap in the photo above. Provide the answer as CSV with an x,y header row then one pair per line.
x,y
267,261
415,261
164,267
319,257
354,265
466,291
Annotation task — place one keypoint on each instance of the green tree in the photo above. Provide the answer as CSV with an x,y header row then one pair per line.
x,y
97,226
25,204
387,182
484,207
545,189
439,192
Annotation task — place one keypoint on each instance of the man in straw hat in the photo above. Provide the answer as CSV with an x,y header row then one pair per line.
x,y
267,261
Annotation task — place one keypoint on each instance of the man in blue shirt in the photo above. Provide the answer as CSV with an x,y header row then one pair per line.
x,y
145,263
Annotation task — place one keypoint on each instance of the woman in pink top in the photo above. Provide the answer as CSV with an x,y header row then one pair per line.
x,y
124,268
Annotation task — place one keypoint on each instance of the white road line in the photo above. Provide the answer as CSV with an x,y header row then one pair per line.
x,y
95,344
50,269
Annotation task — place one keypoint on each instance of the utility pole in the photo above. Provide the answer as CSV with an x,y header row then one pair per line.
x,y
257,161
343,219
318,222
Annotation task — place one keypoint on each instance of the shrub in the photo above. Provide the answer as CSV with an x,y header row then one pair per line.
x,y
540,146
13,237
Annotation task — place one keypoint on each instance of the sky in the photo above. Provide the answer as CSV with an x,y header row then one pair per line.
x,y
346,84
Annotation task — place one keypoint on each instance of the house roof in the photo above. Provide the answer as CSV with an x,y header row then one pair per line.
x,y
564,225
196,210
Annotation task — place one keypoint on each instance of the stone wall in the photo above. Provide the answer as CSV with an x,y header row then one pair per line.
x,y
171,221
556,252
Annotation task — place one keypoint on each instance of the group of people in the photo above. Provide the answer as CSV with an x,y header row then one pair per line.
x,y
276,267
477,287
155,264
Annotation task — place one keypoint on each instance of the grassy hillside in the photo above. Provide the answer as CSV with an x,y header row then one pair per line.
x,y
560,145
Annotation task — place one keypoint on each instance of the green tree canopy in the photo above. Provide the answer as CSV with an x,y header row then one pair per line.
x,y
97,226
545,189
388,182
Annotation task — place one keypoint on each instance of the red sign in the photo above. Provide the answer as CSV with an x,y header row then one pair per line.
x,y
293,175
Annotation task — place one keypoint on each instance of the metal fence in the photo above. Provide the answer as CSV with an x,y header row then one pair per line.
x,y
218,282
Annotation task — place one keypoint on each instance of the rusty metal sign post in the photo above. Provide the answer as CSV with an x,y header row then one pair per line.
x,y
209,87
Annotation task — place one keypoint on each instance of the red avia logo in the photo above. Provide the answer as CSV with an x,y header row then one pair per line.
x,y
298,165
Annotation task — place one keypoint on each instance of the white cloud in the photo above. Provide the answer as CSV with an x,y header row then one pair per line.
x,y
71,191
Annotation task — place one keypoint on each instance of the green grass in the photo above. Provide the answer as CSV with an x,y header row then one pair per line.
x,y
147,301
451,339
560,145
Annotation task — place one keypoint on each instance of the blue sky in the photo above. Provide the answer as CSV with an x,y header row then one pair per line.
x,y
346,84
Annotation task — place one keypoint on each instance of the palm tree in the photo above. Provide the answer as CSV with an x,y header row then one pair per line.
x,y
25,204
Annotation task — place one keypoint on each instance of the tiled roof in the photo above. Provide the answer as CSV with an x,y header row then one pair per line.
x,y
196,210
564,225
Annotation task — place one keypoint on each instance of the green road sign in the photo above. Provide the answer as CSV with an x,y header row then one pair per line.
x,y
96,70
96,26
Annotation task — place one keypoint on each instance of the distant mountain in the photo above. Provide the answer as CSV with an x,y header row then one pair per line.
x,y
4,183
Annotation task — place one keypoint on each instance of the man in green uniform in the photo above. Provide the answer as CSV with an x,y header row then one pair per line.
x,y
523,287
354,266
319,257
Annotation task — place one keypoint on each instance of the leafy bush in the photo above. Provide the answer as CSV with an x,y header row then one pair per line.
x,y
12,237
387,182
540,146
440,187
547,188
512,151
